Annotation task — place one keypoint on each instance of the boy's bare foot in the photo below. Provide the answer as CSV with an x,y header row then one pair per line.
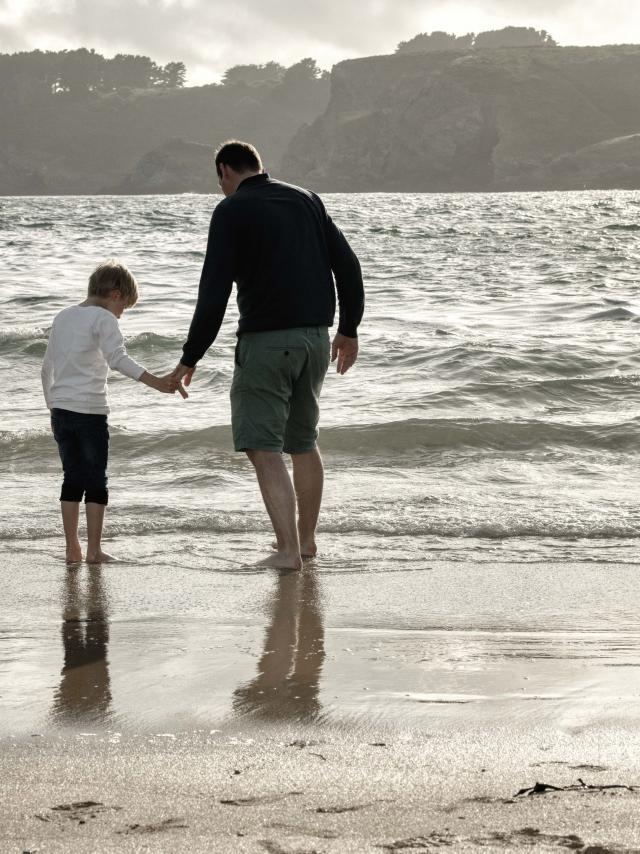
x,y
74,554
100,557
282,560
307,550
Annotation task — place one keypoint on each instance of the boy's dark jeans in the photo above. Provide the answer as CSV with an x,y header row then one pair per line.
x,y
83,443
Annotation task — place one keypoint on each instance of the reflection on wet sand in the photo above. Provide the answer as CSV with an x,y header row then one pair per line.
x,y
84,692
289,670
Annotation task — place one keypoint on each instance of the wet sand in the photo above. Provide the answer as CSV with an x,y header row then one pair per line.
x,y
180,702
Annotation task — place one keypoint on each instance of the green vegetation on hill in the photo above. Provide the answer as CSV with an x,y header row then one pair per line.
x,y
506,37
274,73
34,75
80,123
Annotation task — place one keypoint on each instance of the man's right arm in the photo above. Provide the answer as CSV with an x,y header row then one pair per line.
x,y
216,282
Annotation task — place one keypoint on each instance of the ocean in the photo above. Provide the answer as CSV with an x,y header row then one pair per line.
x,y
493,411
478,544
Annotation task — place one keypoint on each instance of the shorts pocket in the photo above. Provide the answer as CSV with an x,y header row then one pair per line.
x,y
286,351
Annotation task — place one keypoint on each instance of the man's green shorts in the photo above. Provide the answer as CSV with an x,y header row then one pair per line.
x,y
276,389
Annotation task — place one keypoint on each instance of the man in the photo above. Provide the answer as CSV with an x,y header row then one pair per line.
x,y
279,245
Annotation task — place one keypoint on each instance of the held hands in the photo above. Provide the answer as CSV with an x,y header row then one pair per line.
x,y
167,384
181,372
345,350
170,385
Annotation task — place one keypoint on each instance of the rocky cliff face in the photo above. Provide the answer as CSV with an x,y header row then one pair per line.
x,y
506,119
177,166
612,163
18,178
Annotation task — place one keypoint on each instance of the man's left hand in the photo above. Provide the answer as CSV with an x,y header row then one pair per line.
x,y
345,350
182,372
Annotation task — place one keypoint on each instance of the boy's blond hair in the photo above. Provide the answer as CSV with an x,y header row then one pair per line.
x,y
110,276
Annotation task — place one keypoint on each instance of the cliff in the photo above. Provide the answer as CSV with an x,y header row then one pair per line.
x,y
503,119
456,120
177,166
17,177
90,143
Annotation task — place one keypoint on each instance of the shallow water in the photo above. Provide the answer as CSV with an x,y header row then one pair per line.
x,y
495,404
481,520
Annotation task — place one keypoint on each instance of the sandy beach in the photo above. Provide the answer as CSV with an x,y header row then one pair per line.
x,y
300,789
211,708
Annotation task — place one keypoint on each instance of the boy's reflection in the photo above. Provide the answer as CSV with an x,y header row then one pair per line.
x,y
289,670
84,692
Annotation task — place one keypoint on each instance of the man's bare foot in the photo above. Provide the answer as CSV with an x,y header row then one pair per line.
x,y
307,550
100,557
74,554
282,560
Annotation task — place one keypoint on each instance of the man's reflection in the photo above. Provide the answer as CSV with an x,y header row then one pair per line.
x,y
84,692
289,670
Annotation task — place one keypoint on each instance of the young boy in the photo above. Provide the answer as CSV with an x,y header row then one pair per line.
x,y
85,341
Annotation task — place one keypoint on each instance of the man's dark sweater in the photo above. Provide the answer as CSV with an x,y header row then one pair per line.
x,y
280,246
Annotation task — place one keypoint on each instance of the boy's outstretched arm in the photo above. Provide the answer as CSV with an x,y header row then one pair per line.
x,y
114,351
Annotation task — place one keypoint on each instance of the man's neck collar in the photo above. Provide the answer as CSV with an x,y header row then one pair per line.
x,y
252,180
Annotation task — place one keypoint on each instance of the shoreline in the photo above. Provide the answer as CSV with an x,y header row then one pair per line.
x,y
177,704
453,193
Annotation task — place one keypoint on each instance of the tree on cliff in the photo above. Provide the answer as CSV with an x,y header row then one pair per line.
x,y
272,72
514,37
253,75
438,40
306,69
507,37
78,71
132,71
174,75
28,76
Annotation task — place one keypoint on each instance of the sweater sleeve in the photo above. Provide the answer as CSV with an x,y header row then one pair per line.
x,y
111,343
348,275
47,371
214,291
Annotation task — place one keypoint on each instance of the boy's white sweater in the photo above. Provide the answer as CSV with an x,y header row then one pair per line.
x,y
84,342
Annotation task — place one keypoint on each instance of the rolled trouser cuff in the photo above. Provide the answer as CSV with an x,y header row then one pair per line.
x,y
96,496
71,492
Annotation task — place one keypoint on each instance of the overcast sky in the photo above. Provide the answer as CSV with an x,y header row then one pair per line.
x,y
209,36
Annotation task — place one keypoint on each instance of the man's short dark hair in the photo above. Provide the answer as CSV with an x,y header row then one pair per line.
x,y
240,156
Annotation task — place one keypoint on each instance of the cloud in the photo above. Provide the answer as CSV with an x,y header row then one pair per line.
x,y
215,35
209,36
